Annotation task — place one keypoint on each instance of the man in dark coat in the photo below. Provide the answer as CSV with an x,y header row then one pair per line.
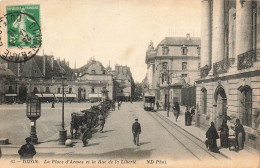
x,y
27,151
176,110
136,130
212,136
224,133
240,134
85,134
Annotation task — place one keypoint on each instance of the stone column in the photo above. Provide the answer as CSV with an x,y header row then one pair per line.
x,y
258,26
205,33
218,30
244,34
232,33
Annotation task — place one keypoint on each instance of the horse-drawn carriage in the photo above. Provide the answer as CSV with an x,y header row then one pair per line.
x,y
88,116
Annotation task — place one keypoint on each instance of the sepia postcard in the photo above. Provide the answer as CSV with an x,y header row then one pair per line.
x,y
129,83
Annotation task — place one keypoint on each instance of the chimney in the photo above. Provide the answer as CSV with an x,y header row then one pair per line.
x,y
188,36
44,65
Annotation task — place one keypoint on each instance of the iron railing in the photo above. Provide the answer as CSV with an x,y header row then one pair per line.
x,y
247,59
222,66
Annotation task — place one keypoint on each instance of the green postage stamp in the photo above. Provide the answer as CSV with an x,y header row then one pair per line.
x,y
22,33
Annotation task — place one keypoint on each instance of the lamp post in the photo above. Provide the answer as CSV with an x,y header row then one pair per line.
x,y
33,112
168,87
62,132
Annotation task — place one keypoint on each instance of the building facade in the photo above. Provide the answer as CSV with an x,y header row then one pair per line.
x,y
173,64
229,85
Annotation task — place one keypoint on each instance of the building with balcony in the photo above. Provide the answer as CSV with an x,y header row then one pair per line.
x,y
173,64
229,85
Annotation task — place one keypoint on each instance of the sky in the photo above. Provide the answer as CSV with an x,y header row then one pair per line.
x,y
115,31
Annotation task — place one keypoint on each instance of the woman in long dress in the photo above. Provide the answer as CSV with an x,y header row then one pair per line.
x,y
224,133
240,134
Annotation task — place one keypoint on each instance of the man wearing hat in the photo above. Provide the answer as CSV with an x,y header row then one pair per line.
x,y
27,151
136,130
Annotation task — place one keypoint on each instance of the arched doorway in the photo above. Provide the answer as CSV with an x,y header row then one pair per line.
x,y
22,93
221,108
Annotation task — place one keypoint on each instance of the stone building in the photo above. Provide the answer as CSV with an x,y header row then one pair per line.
x,y
230,69
171,65
91,79
123,83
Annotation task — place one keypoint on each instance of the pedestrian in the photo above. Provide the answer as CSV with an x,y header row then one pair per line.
x,y
157,105
27,151
192,112
102,122
136,130
212,136
85,134
118,105
52,105
240,134
187,117
176,110
224,133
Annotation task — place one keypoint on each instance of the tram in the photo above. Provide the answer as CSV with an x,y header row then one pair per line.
x,y
149,101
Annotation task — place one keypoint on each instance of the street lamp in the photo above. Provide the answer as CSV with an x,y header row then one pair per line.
x,y
168,86
62,132
33,112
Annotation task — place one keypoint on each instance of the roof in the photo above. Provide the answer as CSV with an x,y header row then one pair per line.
x,y
5,71
171,41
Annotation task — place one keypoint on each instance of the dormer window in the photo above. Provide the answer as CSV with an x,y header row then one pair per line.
x,y
93,72
165,50
184,50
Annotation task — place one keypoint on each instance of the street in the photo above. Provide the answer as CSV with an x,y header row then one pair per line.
x,y
161,140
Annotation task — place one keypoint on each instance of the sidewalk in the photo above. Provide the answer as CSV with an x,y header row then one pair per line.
x,y
201,135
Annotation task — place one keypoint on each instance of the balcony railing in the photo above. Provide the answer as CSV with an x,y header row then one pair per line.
x,y
247,59
222,66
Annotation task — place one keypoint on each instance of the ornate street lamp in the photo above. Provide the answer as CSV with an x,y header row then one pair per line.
x,y
104,94
33,112
62,132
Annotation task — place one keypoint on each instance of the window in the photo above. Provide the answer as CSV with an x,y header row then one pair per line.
x,y
165,50
70,90
92,90
164,65
184,50
47,90
10,89
58,90
184,66
246,105
93,72
104,72
122,91
35,90
184,75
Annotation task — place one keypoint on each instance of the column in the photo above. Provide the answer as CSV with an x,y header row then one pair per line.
x,y
218,31
258,26
232,33
244,34
205,33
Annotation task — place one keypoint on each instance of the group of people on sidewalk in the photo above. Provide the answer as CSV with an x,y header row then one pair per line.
x,y
212,136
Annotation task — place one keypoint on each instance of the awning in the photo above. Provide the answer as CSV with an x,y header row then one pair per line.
x,y
10,95
47,95
94,95
58,95
71,95
38,94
